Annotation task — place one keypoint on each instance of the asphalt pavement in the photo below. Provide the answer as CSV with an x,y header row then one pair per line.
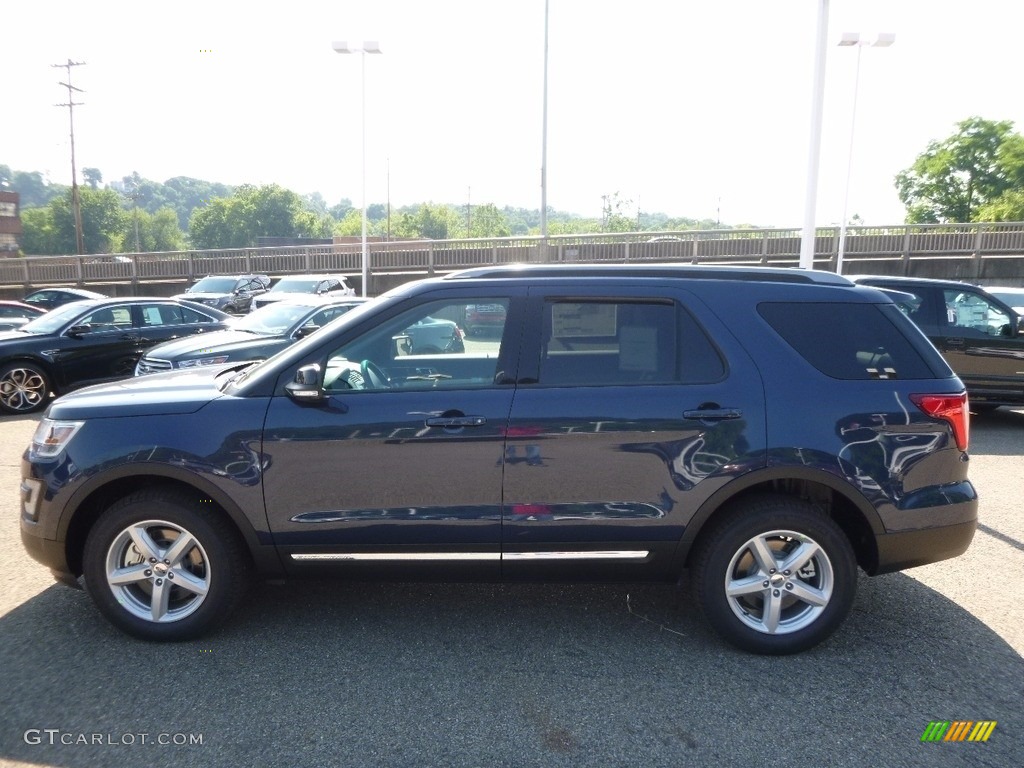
x,y
336,674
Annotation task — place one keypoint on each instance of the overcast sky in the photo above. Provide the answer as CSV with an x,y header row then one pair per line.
x,y
692,108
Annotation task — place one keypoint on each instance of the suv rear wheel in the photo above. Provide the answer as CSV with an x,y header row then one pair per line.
x,y
160,569
775,576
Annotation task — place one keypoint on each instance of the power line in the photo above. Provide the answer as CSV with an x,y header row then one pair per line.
x,y
76,201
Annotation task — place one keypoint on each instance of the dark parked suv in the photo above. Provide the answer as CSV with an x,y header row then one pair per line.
x,y
768,430
228,293
980,336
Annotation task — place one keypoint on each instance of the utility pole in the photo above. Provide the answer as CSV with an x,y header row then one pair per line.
x,y
76,201
469,210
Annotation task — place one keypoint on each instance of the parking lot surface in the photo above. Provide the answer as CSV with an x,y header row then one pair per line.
x,y
513,675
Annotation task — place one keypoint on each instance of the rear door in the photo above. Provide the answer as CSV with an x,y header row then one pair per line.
x,y
634,405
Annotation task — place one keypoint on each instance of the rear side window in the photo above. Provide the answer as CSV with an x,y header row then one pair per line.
x,y
612,342
847,341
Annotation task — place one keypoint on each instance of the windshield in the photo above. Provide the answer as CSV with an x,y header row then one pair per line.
x,y
272,319
267,367
1014,298
56,318
296,285
213,285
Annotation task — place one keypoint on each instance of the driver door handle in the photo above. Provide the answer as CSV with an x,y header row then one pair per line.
x,y
713,414
456,421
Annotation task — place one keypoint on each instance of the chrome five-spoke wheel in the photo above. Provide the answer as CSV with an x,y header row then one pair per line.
x,y
774,574
165,564
158,571
779,582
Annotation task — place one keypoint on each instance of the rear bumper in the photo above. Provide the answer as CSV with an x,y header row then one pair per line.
x,y
907,549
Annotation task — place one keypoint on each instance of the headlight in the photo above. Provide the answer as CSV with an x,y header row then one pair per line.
x,y
203,361
52,437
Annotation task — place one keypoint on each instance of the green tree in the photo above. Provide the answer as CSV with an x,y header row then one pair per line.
x,y
157,231
51,230
93,177
614,214
1009,206
488,221
252,212
953,179
38,237
33,189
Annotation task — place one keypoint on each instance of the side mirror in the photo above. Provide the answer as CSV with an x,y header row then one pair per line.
x,y
307,330
306,386
77,331
401,346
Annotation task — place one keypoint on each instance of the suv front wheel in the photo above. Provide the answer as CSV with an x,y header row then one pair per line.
x,y
775,576
159,568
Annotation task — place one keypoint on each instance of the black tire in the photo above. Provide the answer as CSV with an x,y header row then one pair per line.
x,y
772,610
214,565
24,388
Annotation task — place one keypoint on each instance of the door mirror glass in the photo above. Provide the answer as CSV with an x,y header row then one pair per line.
x,y
306,385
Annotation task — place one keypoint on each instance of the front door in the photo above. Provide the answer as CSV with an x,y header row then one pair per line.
x,y
398,473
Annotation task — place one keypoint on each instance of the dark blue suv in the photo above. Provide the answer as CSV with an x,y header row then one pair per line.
x,y
767,430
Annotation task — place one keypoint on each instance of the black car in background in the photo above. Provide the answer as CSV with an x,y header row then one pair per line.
x,y
980,336
256,336
88,342
228,293
766,430
48,298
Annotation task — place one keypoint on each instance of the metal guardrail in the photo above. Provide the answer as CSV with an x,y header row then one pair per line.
x,y
776,247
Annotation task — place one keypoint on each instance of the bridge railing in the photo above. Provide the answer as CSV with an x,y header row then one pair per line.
x,y
778,247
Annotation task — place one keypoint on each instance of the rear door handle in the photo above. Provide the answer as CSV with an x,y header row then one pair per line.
x,y
456,421
713,414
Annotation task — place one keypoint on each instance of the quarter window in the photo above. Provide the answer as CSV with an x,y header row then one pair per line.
x,y
847,341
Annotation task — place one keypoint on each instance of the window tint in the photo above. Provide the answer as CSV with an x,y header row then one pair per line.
x,y
847,341
422,348
624,342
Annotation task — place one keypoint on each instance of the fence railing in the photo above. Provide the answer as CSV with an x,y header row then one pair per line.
x,y
903,244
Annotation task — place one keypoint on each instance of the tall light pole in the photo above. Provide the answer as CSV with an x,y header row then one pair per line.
x,y
544,143
814,144
368,46
884,40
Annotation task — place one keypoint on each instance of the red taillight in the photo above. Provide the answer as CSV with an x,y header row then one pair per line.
x,y
952,408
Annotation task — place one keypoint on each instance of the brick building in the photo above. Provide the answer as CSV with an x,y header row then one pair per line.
x,y
10,224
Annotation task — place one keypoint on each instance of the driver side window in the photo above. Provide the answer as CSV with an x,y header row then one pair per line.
x,y
423,348
973,315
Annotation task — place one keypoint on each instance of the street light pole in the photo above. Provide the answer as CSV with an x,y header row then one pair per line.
x,y
544,144
807,241
884,40
368,46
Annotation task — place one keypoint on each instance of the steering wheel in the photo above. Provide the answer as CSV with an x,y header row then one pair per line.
x,y
374,376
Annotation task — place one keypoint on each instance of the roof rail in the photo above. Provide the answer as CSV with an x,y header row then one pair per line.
x,y
691,271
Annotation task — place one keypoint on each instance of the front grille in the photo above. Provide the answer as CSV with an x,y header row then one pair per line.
x,y
152,365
